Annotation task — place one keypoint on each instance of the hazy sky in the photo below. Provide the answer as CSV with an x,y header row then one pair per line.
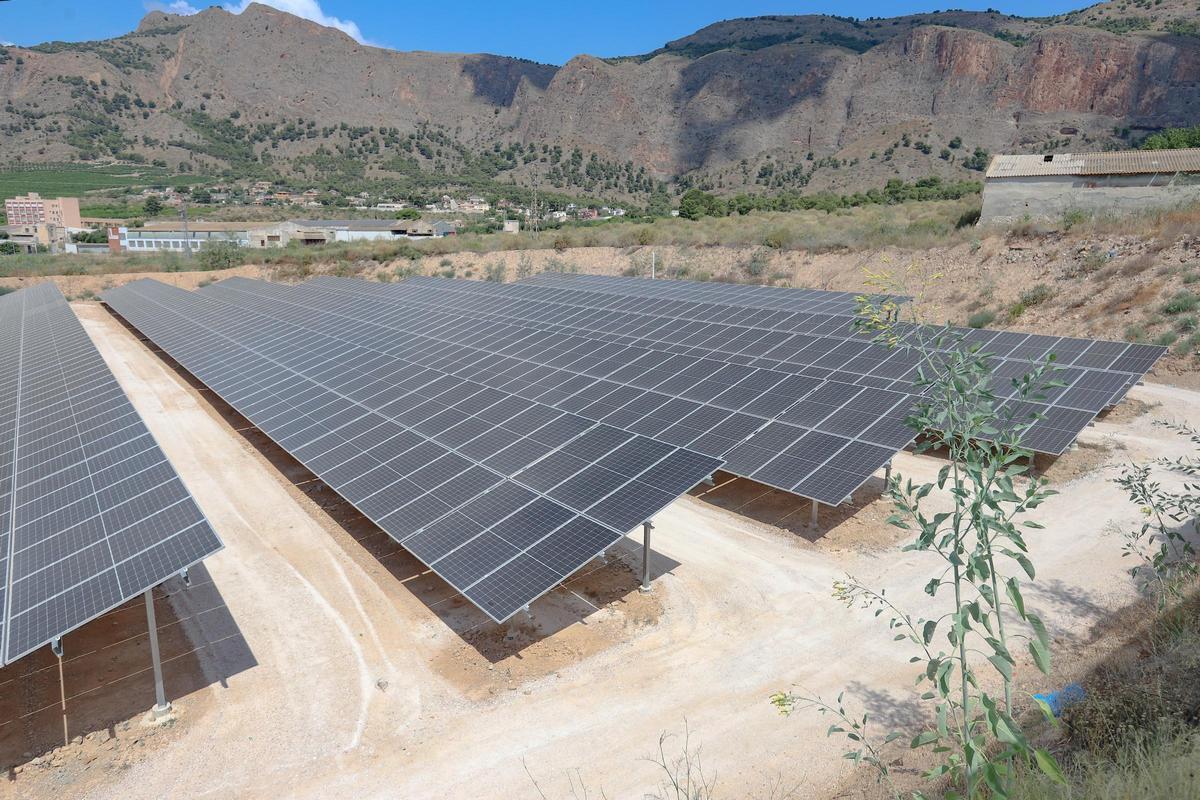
x,y
544,31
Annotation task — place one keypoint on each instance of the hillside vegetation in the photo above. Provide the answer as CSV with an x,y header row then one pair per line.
x,y
759,105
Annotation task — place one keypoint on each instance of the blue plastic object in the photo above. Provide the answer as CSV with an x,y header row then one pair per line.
x,y
1069,695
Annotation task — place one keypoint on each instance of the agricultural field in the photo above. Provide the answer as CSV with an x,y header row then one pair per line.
x,y
72,180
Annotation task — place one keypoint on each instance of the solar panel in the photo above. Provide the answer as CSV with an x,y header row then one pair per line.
x,y
91,512
1104,371
761,298
824,356
838,355
623,386
502,497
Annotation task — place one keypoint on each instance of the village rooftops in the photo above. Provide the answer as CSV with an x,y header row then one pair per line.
x,y
1125,162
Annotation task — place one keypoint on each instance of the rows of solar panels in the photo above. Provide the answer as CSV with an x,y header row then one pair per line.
x,y
812,418
91,512
1097,373
500,496
738,295
675,399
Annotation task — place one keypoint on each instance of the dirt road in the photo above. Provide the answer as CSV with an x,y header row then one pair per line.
x,y
371,681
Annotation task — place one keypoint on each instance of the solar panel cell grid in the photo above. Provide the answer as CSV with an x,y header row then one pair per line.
x,y
482,455
999,343
666,426
93,513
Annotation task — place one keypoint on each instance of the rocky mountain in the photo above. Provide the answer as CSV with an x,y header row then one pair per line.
x,y
761,104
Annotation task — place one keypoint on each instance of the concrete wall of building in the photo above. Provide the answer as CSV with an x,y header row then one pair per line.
x,y
1007,200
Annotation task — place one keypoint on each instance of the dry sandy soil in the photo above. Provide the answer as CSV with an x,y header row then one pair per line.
x,y
359,675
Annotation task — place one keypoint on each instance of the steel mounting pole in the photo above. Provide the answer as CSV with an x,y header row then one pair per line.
x,y
646,528
161,706
814,513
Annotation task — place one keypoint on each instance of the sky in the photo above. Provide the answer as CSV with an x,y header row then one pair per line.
x,y
547,31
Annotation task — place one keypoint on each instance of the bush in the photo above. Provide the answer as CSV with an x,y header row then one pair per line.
x,y
757,264
1135,333
778,238
495,272
1036,295
1072,218
1181,302
969,218
220,255
981,319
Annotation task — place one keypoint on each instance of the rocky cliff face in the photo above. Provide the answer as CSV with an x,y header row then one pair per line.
x,y
783,92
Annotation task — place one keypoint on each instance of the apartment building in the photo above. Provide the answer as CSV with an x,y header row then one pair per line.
x,y
33,209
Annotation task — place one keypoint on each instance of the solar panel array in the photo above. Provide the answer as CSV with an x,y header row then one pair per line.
x,y
500,496
1096,374
91,512
703,404
818,425
781,298
1100,373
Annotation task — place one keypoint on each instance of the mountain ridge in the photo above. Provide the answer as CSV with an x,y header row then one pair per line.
x,y
777,103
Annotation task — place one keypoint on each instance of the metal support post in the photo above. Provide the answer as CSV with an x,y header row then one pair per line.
x,y
814,513
887,474
56,647
161,706
646,528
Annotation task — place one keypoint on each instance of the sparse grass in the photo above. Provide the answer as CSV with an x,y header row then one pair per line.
x,y
1095,260
1185,324
1014,311
1182,302
1189,345
1162,767
1135,333
1136,266
1166,339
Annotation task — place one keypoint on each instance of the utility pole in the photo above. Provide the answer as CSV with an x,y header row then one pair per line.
x,y
533,209
187,241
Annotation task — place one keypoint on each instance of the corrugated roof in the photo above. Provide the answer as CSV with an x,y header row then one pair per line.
x,y
350,224
1124,162
198,225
